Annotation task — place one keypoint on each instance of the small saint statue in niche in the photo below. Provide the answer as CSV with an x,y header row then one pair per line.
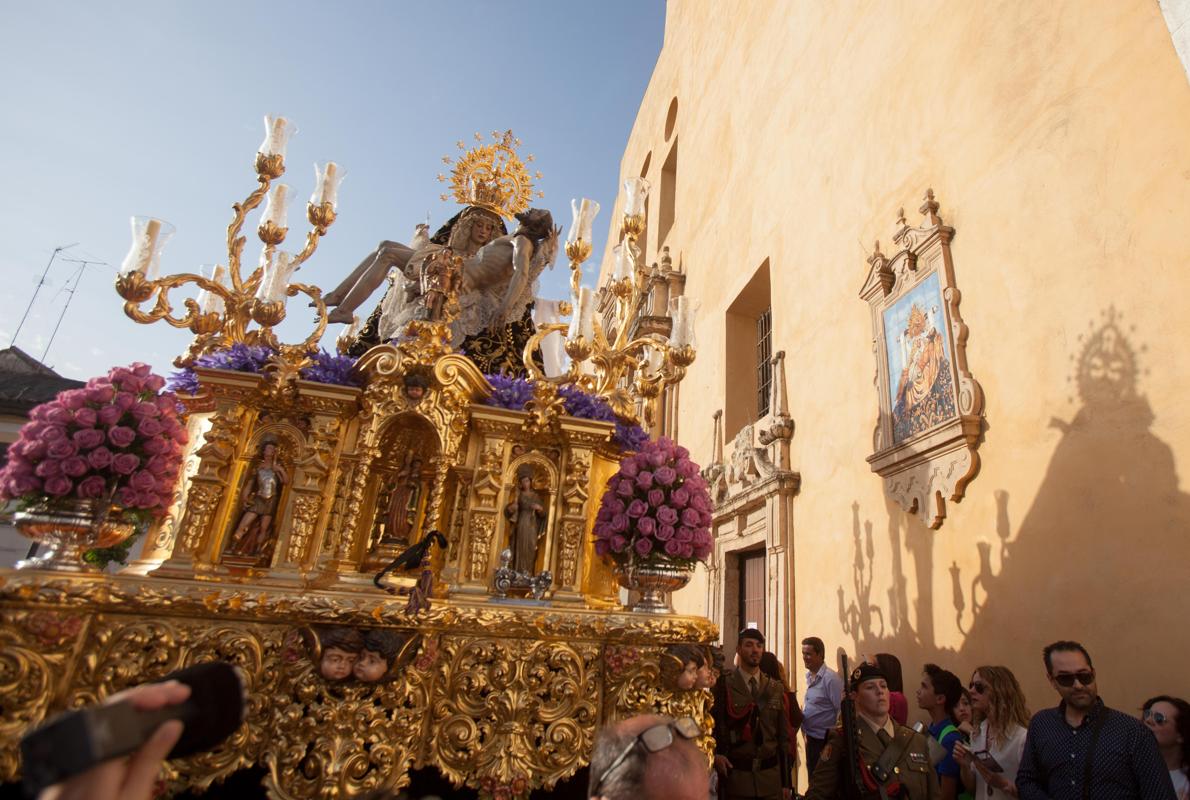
x,y
402,504
526,516
262,494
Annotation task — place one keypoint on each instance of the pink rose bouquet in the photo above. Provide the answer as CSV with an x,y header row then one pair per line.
x,y
118,439
656,508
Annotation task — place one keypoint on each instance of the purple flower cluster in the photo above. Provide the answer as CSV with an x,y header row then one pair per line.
x,y
655,508
114,438
511,393
238,357
585,406
332,369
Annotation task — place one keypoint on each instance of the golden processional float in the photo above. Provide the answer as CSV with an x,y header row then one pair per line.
x,y
497,656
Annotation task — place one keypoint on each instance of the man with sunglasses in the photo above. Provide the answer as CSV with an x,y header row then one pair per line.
x,y
1082,749
649,756
751,732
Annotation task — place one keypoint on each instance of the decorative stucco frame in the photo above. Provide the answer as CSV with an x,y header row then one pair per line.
x,y
925,469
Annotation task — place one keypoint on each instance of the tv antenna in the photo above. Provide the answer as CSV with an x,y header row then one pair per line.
x,y
37,288
69,289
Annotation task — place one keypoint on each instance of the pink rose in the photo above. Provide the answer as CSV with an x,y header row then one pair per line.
x,y
58,485
166,402
158,465
126,497
149,427
87,438
121,436
147,500
681,452
637,509
143,410
673,548
619,523
140,369
684,534
687,550
643,546
667,516
656,458
86,417
665,476
680,497
100,394
142,481
646,526
74,466
704,517
644,480
665,532
73,400
702,552
125,463
614,504
179,435
109,415
91,486
624,488
63,448
117,374
29,449
19,485
49,468
156,447
125,400
618,543
699,502
656,497
628,468
687,468
53,433
131,384
154,383
691,517
99,458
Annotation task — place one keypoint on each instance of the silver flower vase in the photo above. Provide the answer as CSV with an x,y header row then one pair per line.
x,y
655,580
67,531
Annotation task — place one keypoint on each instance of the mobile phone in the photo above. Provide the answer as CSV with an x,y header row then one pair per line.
x,y
988,760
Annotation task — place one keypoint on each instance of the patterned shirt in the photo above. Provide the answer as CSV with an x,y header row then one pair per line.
x,y
1126,763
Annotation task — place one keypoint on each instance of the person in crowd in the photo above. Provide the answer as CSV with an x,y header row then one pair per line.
x,y
937,695
771,666
991,760
1169,720
824,694
908,764
898,704
1083,750
649,757
751,749
963,714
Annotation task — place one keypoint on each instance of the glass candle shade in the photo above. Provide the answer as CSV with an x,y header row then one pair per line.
x,y
683,310
277,131
276,210
636,190
582,320
624,261
584,212
149,236
326,184
277,272
210,302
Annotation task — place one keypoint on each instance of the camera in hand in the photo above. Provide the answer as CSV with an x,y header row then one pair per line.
x,y
78,740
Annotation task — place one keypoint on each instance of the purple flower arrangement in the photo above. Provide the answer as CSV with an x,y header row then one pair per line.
x,y
656,508
118,437
515,393
332,369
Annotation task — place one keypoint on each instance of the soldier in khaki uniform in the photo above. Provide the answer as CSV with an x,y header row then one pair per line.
x,y
910,775
751,739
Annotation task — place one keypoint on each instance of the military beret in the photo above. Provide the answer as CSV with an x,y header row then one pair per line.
x,y
752,633
865,672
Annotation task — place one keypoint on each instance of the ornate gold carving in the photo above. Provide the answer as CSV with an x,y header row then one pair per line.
x,y
483,526
568,557
305,515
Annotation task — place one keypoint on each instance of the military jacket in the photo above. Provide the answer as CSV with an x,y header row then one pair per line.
x,y
913,777
751,732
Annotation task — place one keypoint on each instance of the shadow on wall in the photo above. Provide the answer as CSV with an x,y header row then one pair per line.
x,y
1100,556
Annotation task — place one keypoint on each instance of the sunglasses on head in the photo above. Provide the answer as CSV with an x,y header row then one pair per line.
x,y
653,740
1066,679
1156,716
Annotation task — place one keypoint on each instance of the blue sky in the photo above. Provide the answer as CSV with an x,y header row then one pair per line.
x,y
115,109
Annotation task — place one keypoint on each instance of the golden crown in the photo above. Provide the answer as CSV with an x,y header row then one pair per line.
x,y
492,176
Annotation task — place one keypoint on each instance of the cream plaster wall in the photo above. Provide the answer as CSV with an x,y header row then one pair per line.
x,y
1057,138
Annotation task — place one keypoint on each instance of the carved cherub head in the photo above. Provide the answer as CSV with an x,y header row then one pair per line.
x,y
415,386
340,649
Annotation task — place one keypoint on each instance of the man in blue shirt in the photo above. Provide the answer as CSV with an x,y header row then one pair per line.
x,y
824,696
1083,750
937,695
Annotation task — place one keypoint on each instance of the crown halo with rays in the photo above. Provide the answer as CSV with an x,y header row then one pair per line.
x,y
492,176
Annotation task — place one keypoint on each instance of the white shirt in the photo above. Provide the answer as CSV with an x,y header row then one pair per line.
x,y
1007,753
1181,783
824,695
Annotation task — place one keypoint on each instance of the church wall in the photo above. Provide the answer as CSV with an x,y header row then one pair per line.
x,y
1054,135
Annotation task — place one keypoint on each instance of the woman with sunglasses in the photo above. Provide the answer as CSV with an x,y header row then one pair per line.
x,y
1169,720
999,739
